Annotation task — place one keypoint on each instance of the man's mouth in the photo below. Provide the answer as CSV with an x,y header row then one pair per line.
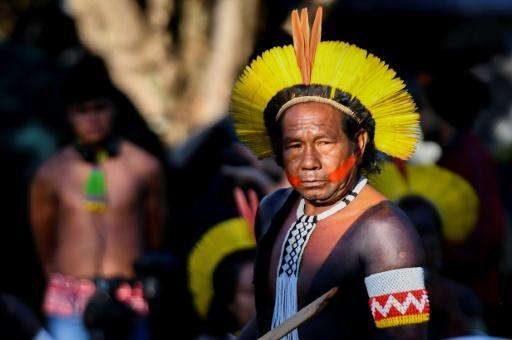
x,y
312,183
296,181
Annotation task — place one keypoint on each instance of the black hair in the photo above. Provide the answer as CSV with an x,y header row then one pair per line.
x,y
422,213
220,320
351,127
86,80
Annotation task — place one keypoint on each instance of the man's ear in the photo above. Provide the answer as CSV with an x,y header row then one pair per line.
x,y
361,141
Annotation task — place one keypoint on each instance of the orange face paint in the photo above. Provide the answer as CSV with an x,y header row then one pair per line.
x,y
337,175
294,180
341,172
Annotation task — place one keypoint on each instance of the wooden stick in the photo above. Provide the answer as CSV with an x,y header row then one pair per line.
x,y
300,317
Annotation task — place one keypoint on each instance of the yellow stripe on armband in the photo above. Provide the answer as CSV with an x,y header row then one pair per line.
x,y
402,320
398,297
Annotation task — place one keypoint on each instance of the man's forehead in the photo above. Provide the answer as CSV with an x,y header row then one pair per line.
x,y
311,112
318,122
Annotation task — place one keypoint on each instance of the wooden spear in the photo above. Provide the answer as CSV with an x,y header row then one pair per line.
x,y
300,317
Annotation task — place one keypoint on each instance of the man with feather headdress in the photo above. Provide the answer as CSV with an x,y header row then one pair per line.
x,y
324,110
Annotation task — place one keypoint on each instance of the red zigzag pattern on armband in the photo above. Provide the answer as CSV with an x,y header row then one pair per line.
x,y
400,308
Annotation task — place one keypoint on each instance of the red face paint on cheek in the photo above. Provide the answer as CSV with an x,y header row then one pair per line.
x,y
341,172
294,180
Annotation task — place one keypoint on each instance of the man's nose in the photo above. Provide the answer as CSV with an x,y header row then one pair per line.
x,y
310,160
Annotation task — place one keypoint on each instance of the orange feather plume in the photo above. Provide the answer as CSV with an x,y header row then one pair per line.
x,y
304,43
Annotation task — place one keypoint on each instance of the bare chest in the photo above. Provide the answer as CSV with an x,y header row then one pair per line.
x,y
124,186
320,245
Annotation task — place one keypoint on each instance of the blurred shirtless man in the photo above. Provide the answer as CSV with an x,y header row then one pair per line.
x,y
95,206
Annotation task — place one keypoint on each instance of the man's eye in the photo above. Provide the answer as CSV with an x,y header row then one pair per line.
x,y
293,146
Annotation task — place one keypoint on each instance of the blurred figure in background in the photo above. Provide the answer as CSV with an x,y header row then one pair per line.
x,y
213,171
18,322
220,269
95,207
455,309
208,168
449,107
442,206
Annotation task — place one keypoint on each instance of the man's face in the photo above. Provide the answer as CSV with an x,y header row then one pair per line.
x,y
242,306
91,119
317,155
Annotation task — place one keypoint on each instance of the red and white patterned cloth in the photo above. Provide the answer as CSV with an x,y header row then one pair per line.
x,y
68,296
398,297
133,296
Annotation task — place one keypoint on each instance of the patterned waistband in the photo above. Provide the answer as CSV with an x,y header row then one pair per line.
x,y
68,296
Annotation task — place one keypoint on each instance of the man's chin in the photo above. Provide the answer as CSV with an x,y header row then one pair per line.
x,y
320,198
93,139
313,196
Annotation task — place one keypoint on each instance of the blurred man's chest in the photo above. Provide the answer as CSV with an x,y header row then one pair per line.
x,y
123,186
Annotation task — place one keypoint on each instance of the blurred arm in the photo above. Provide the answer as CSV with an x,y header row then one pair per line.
x,y
43,217
156,207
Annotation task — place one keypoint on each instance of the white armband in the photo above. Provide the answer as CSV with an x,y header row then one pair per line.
x,y
398,297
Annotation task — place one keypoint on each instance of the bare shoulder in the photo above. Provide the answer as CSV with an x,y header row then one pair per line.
x,y
388,238
385,215
385,220
140,159
57,165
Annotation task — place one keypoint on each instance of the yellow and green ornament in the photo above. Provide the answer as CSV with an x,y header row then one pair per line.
x,y
95,188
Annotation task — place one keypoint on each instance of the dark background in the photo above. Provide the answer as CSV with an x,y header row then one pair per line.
x,y
414,37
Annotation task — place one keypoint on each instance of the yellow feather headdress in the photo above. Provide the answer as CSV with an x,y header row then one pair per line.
x,y
218,242
333,70
454,198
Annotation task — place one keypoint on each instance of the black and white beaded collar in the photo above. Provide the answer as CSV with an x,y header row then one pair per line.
x,y
291,255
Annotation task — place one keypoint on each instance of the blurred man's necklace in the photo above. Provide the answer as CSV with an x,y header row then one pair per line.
x,y
291,255
95,188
